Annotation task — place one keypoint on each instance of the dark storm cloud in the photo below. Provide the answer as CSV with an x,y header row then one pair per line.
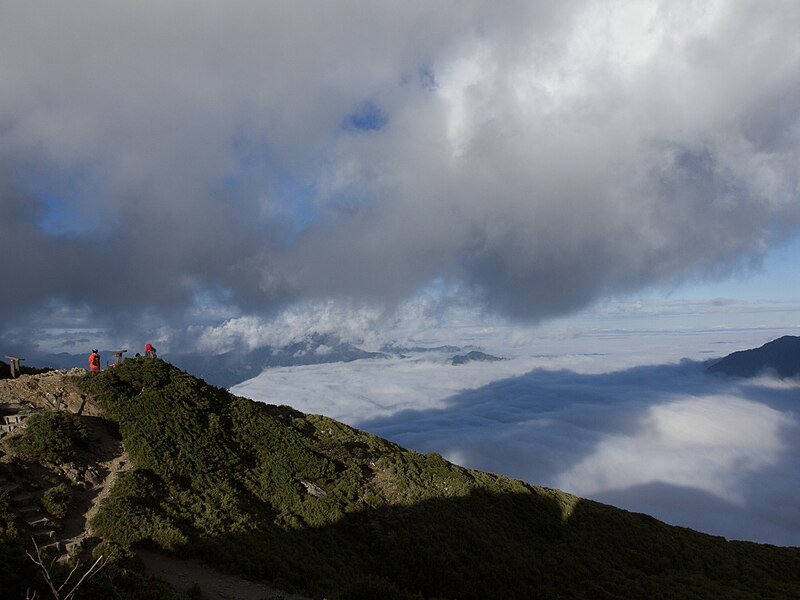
x,y
162,157
150,261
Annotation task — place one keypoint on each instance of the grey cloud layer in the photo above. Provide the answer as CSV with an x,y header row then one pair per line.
x,y
539,155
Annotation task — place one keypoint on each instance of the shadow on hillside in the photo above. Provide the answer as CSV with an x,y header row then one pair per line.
x,y
514,545
558,417
607,435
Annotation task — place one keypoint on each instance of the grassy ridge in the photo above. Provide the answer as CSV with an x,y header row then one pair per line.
x,y
309,503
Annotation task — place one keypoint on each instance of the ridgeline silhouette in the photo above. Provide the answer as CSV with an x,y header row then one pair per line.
x,y
781,357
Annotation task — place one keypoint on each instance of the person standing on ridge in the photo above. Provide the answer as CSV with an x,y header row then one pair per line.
x,y
94,361
149,351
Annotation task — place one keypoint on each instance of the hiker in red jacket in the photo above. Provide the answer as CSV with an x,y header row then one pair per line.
x,y
149,351
94,361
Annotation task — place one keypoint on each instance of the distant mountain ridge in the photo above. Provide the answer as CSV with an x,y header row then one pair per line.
x,y
397,349
781,356
473,356
229,368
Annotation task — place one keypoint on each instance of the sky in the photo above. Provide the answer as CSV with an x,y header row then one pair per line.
x,y
209,176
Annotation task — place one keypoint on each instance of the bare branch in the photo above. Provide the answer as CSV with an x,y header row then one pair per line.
x,y
45,570
39,561
75,568
91,572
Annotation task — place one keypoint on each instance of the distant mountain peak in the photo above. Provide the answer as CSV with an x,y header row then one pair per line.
x,y
397,348
780,356
473,356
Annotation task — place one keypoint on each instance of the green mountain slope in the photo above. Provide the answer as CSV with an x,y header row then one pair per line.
x,y
312,505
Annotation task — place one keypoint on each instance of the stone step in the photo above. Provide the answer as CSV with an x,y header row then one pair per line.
x,y
11,487
74,547
15,419
22,497
27,511
47,534
55,546
38,522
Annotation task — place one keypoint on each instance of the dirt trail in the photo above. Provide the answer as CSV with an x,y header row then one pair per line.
x,y
117,465
183,574
111,460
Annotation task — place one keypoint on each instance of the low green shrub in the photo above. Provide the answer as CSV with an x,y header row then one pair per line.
x,y
125,522
50,437
7,526
123,576
194,592
56,500
16,571
370,587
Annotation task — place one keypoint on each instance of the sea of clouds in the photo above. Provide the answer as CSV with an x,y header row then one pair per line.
x,y
630,418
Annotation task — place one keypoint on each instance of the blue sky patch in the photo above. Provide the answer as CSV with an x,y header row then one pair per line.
x,y
368,116
63,196
427,79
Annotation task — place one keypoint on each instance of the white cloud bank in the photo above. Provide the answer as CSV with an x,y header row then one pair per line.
x,y
613,416
708,443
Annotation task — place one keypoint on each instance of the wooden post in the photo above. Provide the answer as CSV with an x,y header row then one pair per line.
x,y
14,365
118,357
